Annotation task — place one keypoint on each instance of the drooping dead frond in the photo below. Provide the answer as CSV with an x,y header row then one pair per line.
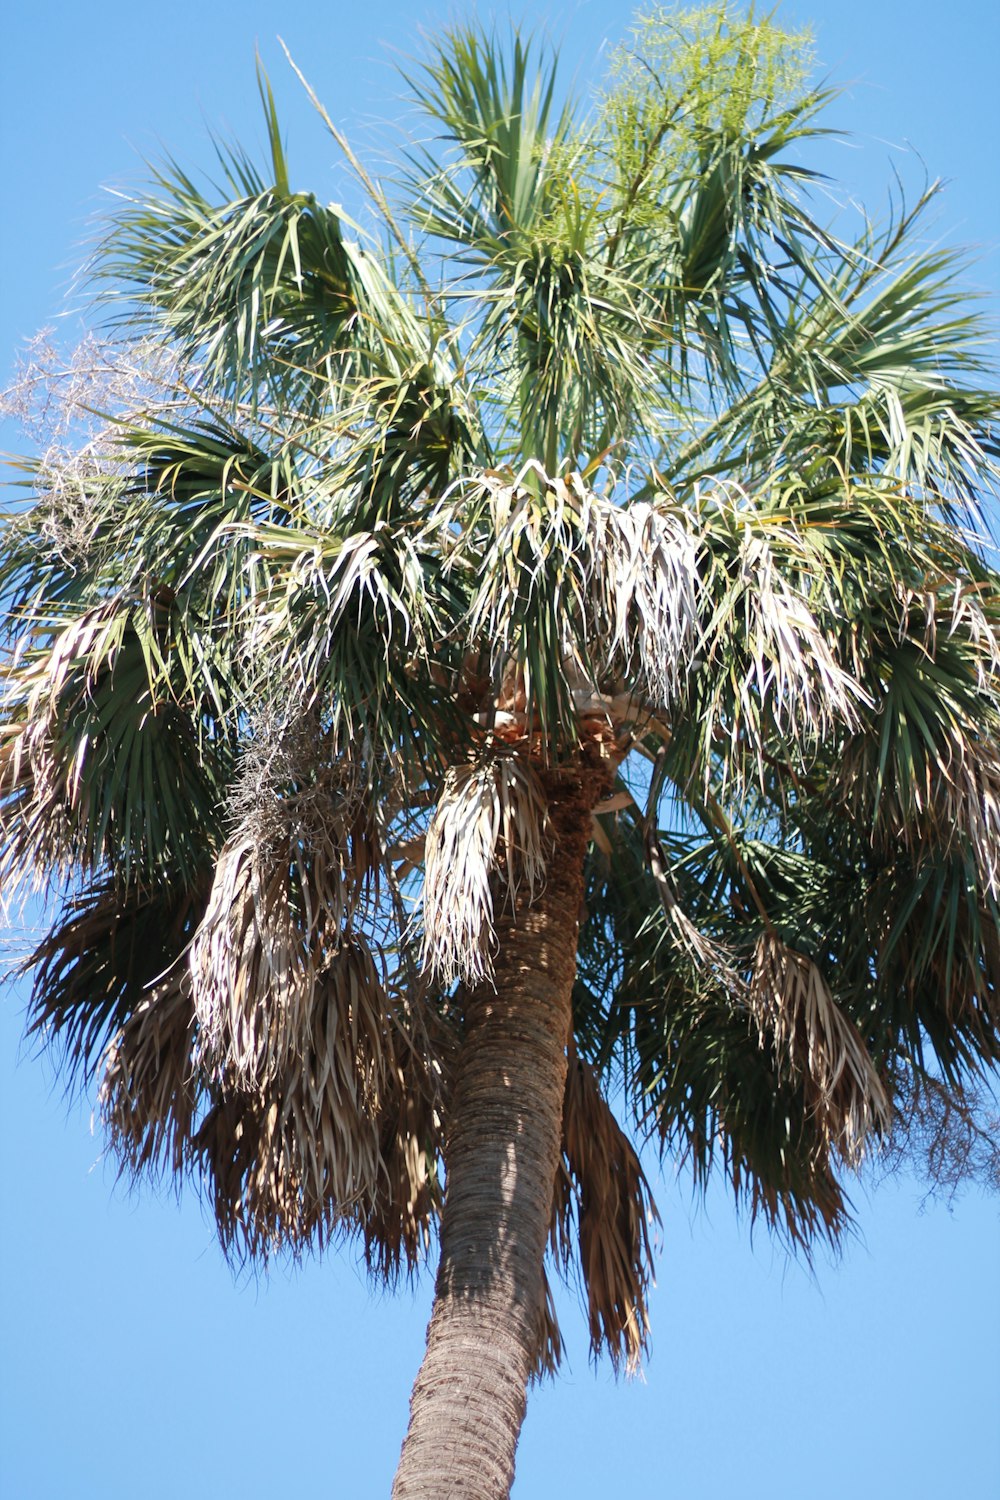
x,y
624,578
150,1092
286,890
396,1229
488,830
797,1014
300,1154
792,660
35,828
647,594
961,802
683,933
40,774
768,661
550,1344
601,1185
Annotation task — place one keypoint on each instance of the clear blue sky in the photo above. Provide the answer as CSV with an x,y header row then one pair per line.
x,y
135,1366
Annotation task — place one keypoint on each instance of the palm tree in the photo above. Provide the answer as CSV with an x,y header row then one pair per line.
x,y
537,649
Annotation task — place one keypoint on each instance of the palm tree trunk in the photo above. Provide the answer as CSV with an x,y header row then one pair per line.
x,y
503,1142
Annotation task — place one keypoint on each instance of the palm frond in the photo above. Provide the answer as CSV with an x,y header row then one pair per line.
x,y
288,884
773,666
100,963
680,1035
298,1158
602,1214
101,760
486,838
263,289
795,1010
151,1093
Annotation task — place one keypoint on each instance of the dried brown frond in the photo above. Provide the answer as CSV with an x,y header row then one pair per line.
x,y
299,1155
550,1345
396,1230
288,885
796,1014
488,832
685,936
150,1093
602,1208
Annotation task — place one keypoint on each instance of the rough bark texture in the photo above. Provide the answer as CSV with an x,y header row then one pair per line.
x,y
503,1143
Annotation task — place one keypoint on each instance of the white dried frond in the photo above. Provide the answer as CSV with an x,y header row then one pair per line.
x,y
304,587
627,573
766,656
944,803
975,810
538,534
706,953
40,785
967,617
488,828
646,594
792,662
960,615
810,1034
36,833
253,972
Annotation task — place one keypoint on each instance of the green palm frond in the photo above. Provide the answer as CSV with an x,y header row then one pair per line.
x,y
870,362
101,755
262,289
693,1059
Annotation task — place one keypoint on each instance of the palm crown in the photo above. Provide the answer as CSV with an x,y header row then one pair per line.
x,y
603,506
